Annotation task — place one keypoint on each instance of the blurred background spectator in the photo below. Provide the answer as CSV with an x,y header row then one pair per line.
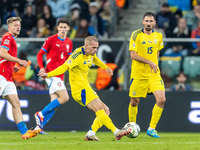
x,y
59,7
40,30
166,20
39,8
50,21
28,22
95,20
82,30
181,83
177,48
192,17
73,16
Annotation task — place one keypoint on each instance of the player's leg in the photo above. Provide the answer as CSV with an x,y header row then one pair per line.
x,y
96,106
63,97
59,96
159,93
17,115
97,124
133,109
138,88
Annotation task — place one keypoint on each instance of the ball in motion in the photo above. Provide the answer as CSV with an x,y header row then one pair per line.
x,y
134,128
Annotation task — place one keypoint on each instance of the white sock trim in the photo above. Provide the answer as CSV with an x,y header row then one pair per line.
x,y
116,131
90,133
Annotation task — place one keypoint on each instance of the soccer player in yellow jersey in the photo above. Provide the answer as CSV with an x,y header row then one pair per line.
x,y
79,64
144,48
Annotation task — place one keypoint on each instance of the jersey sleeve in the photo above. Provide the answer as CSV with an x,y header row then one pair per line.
x,y
133,46
160,46
47,45
6,42
99,63
73,60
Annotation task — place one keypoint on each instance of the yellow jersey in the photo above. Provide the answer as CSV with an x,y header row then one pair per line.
x,y
79,65
146,46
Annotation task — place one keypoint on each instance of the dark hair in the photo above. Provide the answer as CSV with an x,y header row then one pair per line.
x,y
63,20
149,14
165,5
49,8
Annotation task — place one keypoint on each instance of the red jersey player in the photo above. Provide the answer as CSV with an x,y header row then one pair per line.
x,y
57,48
8,58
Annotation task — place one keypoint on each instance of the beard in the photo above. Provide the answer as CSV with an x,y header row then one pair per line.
x,y
148,28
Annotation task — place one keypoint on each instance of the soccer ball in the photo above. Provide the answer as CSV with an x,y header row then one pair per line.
x,y
134,128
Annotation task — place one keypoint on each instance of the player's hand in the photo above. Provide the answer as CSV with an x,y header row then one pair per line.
x,y
23,63
42,70
16,69
154,67
43,75
109,72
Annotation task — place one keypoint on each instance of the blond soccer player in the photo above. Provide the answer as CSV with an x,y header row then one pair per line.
x,y
79,64
8,58
144,48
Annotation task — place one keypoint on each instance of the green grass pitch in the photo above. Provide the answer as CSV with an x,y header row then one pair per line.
x,y
10,140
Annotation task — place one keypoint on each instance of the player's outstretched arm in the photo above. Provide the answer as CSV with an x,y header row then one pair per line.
x,y
58,71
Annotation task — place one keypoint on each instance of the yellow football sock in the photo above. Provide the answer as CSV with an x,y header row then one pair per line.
x,y
156,114
96,124
132,113
105,120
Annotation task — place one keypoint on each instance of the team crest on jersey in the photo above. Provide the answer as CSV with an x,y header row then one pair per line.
x,y
67,46
69,61
59,84
134,93
6,41
155,41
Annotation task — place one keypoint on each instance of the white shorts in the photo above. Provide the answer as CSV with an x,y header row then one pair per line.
x,y
7,87
55,84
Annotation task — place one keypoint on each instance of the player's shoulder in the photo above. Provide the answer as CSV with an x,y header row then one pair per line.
x,y
52,38
68,39
7,35
77,52
157,32
136,33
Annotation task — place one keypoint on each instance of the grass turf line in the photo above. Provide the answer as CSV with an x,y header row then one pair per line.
x,y
75,141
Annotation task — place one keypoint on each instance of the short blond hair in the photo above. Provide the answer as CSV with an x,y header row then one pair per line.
x,y
90,39
11,19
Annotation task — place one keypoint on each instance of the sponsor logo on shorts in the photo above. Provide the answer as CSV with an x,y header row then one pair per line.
x,y
59,84
134,93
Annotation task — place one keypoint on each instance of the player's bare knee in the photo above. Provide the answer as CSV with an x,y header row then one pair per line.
x,y
107,110
134,102
16,104
161,101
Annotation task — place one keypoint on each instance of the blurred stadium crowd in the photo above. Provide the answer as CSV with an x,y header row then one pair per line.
x,y
87,17
175,19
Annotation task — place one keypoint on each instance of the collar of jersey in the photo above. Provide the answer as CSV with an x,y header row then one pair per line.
x,y
14,37
60,39
83,50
